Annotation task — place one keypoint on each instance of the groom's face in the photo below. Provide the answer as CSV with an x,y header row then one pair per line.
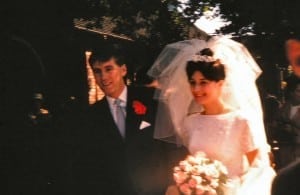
x,y
109,76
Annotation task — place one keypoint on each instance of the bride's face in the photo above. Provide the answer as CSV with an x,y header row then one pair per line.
x,y
203,90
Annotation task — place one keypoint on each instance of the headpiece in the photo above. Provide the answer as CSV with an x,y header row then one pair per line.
x,y
202,58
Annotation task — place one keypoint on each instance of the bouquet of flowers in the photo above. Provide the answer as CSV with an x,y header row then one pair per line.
x,y
199,175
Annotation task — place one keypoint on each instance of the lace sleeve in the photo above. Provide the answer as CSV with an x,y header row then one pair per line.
x,y
247,138
250,142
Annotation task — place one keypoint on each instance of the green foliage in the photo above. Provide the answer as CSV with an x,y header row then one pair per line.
x,y
155,23
148,21
268,17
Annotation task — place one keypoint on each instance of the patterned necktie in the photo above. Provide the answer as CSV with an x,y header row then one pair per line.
x,y
120,117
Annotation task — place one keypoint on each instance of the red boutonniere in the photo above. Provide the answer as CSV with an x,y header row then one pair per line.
x,y
139,107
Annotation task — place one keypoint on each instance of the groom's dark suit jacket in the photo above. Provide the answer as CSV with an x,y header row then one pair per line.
x,y
105,163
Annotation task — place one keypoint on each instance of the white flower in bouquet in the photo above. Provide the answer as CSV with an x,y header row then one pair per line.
x,y
199,175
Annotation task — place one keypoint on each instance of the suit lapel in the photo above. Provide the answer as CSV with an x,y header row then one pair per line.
x,y
132,120
108,120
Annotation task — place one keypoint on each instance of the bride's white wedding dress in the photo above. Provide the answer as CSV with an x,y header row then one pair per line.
x,y
227,137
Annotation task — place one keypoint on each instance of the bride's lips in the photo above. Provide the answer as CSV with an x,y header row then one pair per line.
x,y
197,95
200,98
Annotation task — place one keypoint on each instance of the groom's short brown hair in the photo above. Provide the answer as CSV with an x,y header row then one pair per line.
x,y
105,53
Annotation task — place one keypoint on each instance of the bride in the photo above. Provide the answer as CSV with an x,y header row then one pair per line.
x,y
225,127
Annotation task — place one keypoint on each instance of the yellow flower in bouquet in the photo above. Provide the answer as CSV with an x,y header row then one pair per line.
x,y
199,175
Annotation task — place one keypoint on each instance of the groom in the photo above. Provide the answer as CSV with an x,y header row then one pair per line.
x,y
116,152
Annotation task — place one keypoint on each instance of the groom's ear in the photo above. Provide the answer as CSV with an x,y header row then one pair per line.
x,y
124,70
221,83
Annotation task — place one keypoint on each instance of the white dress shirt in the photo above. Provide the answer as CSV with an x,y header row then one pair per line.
x,y
112,105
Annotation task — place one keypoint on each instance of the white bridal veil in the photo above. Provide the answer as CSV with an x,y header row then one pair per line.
x,y
175,97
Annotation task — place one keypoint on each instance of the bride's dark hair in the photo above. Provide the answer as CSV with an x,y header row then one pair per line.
x,y
211,70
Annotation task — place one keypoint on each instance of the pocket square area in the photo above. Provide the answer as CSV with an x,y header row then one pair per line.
x,y
144,124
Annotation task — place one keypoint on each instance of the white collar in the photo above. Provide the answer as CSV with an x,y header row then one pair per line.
x,y
122,97
295,106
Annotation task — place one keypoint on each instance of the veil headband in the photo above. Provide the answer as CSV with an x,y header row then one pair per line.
x,y
203,58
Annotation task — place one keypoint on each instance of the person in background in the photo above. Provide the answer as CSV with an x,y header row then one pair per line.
x,y
292,50
288,132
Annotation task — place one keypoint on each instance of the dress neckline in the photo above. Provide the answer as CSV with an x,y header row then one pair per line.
x,y
216,115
